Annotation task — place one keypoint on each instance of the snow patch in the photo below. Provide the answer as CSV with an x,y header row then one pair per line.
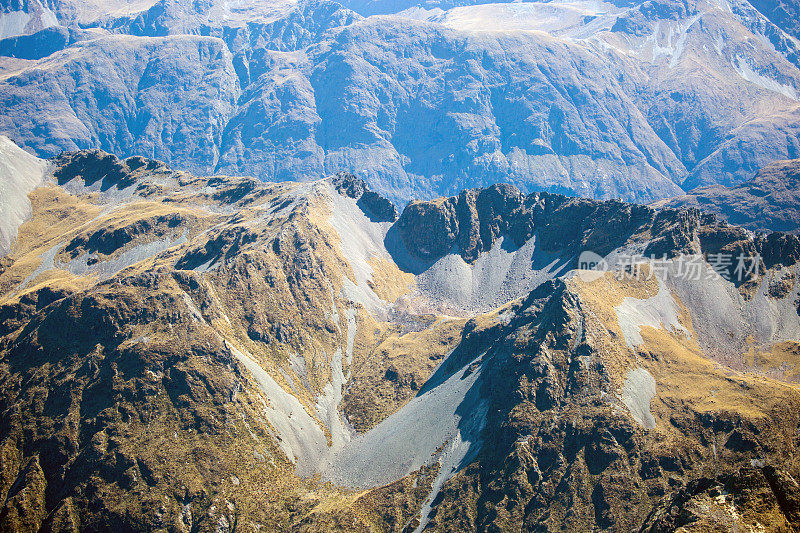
x,y
567,18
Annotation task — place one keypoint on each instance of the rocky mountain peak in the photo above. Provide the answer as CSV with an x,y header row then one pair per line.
x,y
472,222
475,221
93,166
377,207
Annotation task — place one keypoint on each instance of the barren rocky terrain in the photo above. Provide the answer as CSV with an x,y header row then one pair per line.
x,y
392,265
188,353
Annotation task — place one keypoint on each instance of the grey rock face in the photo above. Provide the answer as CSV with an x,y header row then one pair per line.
x,y
376,207
472,222
631,100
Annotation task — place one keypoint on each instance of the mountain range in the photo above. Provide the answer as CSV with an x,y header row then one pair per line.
x,y
383,265
638,100
186,353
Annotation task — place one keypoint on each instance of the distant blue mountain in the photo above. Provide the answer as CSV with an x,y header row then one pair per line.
x,y
637,100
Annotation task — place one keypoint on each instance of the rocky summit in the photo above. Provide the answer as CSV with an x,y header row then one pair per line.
x,y
634,99
194,353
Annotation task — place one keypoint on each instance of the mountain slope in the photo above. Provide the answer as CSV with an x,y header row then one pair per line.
x,y
218,353
768,202
600,99
22,173
783,13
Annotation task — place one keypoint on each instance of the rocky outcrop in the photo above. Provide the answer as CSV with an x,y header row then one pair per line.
x,y
708,502
375,206
93,166
106,241
472,222
674,233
